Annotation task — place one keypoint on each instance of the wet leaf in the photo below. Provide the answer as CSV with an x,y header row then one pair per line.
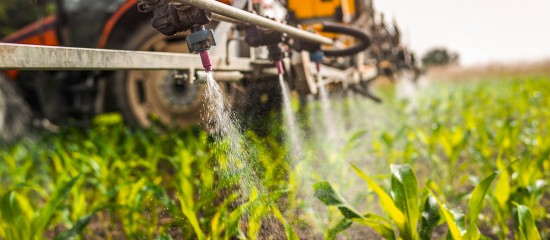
x,y
454,231
429,218
327,195
384,199
379,224
405,196
340,227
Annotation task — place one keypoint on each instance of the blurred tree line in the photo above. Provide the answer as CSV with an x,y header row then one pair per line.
x,y
15,14
440,56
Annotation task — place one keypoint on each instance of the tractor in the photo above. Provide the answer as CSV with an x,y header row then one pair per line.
x,y
363,48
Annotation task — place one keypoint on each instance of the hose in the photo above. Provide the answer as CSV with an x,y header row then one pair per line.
x,y
363,38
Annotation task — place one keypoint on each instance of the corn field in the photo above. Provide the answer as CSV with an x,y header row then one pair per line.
x,y
462,160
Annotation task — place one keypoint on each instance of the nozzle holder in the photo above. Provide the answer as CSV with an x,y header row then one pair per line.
x,y
200,40
276,52
170,20
256,37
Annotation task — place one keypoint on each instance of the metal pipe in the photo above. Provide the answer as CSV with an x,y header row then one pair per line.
x,y
235,13
223,18
221,76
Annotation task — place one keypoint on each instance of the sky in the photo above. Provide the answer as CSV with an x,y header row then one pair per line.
x,y
481,31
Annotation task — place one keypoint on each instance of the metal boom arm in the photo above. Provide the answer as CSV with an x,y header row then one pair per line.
x,y
250,18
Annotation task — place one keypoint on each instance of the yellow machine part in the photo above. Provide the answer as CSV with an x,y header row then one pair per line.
x,y
318,9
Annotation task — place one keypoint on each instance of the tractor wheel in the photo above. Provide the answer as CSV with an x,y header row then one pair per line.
x,y
152,97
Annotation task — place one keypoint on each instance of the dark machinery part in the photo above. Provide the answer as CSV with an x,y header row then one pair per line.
x,y
362,38
300,45
168,20
256,37
317,53
365,90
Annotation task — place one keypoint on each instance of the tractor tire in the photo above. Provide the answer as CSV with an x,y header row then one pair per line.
x,y
151,97
15,114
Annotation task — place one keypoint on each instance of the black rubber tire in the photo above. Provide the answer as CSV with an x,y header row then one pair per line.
x,y
121,95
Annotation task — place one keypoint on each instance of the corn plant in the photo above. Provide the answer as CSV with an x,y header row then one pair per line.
x,y
21,220
134,184
414,216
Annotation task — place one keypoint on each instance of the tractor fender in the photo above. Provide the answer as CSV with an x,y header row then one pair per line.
x,y
121,26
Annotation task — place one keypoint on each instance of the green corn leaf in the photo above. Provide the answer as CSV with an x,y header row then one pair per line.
x,y
190,215
527,228
327,195
429,218
449,219
460,219
352,142
46,213
476,203
78,227
217,225
289,231
404,189
385,200
502,188
254,222
10,210
340,227
164,236
379,224
232,221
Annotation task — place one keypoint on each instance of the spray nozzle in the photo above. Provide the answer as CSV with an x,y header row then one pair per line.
x,y
205,59
280,68
317,57
200,41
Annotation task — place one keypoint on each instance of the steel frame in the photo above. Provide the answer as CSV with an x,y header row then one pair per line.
x,y
34,57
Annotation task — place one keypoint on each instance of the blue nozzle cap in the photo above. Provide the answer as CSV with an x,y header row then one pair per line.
x,y
317,56
200,41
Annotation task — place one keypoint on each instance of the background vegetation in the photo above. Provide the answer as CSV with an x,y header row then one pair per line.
x,y
440,56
